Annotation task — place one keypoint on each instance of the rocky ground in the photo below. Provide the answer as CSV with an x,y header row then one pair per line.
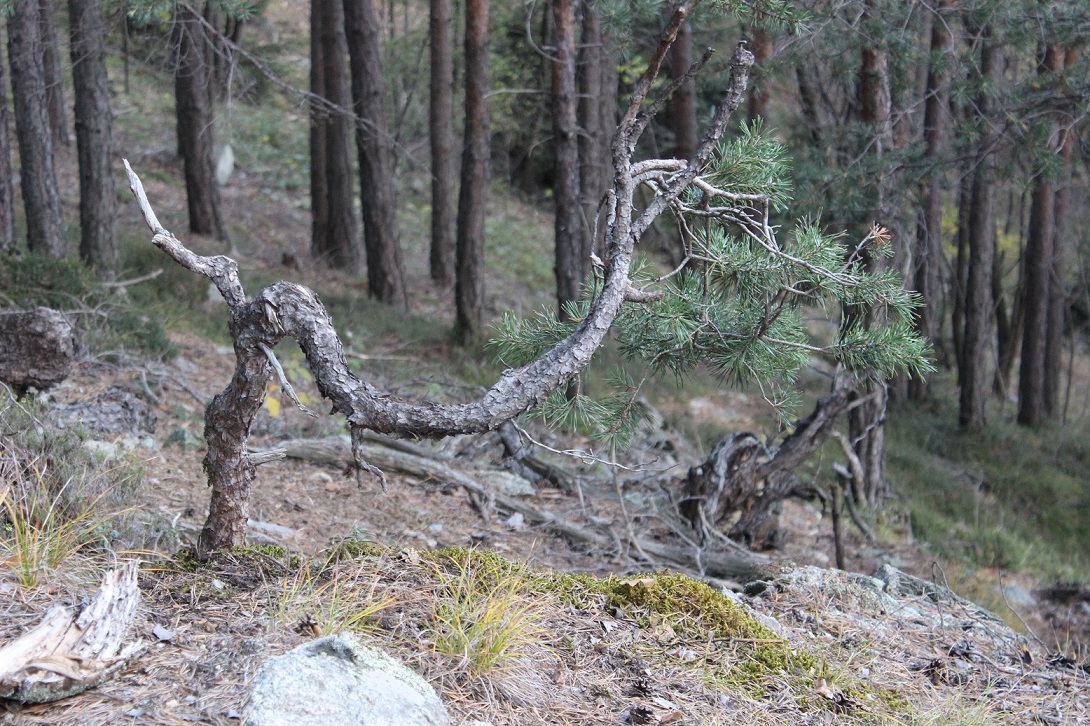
x,y
847,648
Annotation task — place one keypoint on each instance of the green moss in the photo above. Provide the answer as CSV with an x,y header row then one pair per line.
x,y
695,609
186,560
275,551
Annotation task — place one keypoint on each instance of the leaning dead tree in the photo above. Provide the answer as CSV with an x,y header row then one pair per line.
x,y
672,321
744,479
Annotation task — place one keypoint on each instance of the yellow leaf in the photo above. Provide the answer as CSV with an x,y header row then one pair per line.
x,y
272,404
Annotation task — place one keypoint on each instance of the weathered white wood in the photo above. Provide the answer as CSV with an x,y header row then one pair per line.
x,y
74,649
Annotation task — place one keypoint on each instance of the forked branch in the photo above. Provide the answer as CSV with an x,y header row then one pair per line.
x,y
289,310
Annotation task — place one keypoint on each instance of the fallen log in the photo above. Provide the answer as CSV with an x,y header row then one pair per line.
x,y
73,650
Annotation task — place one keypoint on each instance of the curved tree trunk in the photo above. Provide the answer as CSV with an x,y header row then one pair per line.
x,y
94,140
744,482
283,309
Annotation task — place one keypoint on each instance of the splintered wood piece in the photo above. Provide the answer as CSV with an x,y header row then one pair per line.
x,y
74,649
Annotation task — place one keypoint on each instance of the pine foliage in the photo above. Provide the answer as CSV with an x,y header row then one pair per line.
x,y
738,308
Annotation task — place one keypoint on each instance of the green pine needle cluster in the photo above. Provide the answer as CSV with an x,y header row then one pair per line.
x,y
739,308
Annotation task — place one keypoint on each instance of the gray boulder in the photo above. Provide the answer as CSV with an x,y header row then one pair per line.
x,y
335,680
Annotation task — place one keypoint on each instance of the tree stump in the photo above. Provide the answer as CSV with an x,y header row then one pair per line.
x,y
37,348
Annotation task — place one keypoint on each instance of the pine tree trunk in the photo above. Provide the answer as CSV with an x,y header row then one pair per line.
x,y
469,285
1058,302
7,190
94,142
757,105
441,126
596,79
41,197
1033,403
866,420
385,276
974,375
319,182
568,229
339,243
927,277
681,108
194,119
53,69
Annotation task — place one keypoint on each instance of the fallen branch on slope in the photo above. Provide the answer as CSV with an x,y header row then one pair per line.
x,y
741,566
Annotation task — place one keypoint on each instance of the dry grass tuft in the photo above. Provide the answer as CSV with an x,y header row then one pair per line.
x,y
483,619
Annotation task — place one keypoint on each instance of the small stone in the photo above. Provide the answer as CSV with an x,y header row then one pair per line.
x,y
435,528
515,521
332,487
218,584
321,476
162,633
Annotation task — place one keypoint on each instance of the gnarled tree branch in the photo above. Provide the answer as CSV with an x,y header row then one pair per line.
x,y
288,310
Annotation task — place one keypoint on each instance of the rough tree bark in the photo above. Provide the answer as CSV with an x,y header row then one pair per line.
x,y
41,196
757,108
284,309
74,649
866,420
7,190
597,108
1035,406
1058,302
53,69
469,238
928,260
745,481
441,134
974,378
385,278
335,235
194,119
570,261
94,139
682,105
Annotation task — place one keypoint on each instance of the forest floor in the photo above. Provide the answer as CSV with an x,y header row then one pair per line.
x,y
575,655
